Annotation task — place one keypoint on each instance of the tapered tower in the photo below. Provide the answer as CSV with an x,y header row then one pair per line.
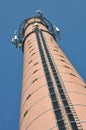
x,y
53,93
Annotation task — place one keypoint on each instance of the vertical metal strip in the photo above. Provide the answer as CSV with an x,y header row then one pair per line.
x,y
56,107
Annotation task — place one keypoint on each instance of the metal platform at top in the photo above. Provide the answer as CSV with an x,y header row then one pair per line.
x,y
18,37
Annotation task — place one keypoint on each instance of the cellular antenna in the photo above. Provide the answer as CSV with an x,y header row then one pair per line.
x,y
58,32
39,12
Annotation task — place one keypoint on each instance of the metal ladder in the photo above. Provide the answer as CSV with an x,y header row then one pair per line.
x,y
73,112
73,118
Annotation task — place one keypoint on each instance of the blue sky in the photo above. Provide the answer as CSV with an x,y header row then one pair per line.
x,y
68,15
